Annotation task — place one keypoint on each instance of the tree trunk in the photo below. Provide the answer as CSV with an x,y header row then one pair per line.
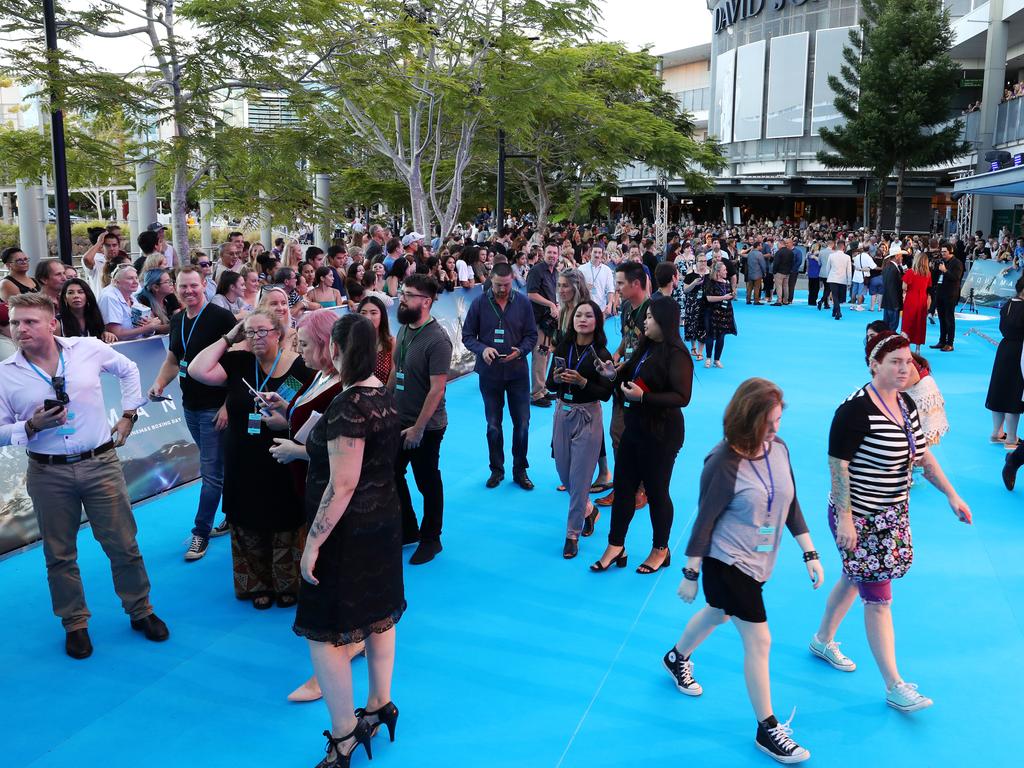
x,y
418,201
576,199
179,211
901,172
543,198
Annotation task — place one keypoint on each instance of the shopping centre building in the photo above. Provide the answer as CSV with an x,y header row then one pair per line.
x,y
761,88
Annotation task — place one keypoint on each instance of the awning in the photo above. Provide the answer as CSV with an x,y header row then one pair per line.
x,y
1008,181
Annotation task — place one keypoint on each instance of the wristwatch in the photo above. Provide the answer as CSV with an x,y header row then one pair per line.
x,y
132,417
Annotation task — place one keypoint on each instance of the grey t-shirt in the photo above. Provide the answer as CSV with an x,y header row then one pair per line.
x,y
733,522
420,354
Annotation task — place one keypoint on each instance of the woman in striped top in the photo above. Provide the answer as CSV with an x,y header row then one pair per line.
x,y
874,442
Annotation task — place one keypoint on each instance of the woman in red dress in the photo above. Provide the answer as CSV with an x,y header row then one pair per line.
x,y
373,309
916,282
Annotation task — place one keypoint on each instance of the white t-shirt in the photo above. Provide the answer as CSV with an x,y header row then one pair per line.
x,y
465,272
863,261
115,309
600,281
96,273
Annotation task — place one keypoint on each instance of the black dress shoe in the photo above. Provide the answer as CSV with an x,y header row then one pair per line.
x,y
152,627
1009,475
524,482
541,403
571,549
496,477
940,345
425,552
77,644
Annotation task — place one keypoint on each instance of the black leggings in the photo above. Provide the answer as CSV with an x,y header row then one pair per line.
x,y
715,345
642,459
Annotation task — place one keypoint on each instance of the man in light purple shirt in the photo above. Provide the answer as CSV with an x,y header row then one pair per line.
x,y
51,403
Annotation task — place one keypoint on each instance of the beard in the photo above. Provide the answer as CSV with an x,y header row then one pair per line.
x,y
407,315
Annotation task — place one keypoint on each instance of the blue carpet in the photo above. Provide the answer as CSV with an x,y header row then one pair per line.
x,y
509,656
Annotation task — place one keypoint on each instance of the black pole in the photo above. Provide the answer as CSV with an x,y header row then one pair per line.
x,y
60,164
500,221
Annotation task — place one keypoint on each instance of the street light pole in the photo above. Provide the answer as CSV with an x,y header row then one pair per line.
x,y
60,165
501,181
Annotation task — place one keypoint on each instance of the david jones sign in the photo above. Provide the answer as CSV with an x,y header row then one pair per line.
x,y
729,12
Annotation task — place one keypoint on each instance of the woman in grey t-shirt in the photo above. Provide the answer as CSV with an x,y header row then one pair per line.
x,y
747,495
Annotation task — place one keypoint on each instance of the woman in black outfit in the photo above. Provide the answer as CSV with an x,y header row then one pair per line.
x,y
80,314
352,587
719,320
655,383
1006,386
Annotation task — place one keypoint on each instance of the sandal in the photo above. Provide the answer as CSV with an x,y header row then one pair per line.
x,y
700,356
644,568
561,488
263,602
601,487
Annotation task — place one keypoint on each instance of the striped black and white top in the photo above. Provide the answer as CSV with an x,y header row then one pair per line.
x,y
878,451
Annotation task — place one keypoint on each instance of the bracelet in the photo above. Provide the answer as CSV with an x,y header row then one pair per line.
x,y
689,574
811,555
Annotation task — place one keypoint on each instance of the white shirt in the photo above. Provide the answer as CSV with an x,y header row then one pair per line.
x,y
600,281
465,272
116,309
839,268
22,391
863,262
96,273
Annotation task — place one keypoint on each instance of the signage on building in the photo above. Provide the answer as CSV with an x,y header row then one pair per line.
x,y
615,199
972,82
729,12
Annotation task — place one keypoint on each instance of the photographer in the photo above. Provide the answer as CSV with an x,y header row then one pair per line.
x,y
51,402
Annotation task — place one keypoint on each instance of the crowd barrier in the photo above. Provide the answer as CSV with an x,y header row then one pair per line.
x,y
160,454
990,283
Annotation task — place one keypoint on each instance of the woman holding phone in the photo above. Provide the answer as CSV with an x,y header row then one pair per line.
x,y
719,320
259,500
655,384
578,429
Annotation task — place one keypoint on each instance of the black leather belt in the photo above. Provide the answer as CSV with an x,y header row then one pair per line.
x,y
74,458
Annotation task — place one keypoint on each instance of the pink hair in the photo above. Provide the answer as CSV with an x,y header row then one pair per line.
x,y
318,325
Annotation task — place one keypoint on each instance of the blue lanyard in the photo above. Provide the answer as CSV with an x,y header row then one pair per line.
x,y
192,329
907,429
769,487
256,366
639,365
312,388
583,357
43,376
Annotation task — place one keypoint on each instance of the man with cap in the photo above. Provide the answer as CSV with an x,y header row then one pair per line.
x,y
162,246
411,243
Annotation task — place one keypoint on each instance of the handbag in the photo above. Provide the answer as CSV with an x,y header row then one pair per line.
x,y
884,548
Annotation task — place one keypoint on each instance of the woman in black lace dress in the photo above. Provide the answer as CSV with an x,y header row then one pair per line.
x,y
719,320
352,586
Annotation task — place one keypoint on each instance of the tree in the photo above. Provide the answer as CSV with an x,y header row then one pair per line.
x,y
410,80
895,94
582,112
200,53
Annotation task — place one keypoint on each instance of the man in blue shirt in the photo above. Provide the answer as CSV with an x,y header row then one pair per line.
x,y
501,331
799,255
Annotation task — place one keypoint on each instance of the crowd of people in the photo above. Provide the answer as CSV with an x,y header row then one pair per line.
x,y
331,408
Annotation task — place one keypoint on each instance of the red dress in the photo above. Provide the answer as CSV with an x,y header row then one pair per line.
x,y
382,368
915,306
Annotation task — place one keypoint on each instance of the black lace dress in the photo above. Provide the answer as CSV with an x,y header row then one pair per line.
x,y
360,563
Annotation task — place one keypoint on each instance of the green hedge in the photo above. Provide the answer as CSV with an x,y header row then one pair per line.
x,y
9,234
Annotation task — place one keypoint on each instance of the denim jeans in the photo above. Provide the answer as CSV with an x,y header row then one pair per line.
x,y
211,466
891,318
494,392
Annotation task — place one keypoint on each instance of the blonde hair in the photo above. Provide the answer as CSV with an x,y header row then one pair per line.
x,y
32,300
269,316
921,263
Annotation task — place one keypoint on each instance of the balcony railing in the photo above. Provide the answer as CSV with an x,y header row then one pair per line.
x,y
695,99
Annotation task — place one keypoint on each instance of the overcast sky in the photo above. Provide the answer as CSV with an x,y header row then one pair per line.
x,y
665,25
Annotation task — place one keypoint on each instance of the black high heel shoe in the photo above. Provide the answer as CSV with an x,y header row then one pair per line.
x,y
644,568
386,715
361,733
619,561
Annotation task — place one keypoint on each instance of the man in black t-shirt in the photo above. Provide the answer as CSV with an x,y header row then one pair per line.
x,y
947,291
194,329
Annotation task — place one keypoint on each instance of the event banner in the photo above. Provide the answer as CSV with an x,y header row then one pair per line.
x,y
990,282
158,456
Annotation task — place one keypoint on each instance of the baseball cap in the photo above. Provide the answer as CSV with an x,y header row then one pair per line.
x,y
411,238
156,226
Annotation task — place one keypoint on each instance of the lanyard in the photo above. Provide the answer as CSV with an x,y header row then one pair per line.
x,y
907,430
635,314
497,314
195,322
639,365
581,358
256,366
407,341
769,487
310,393
43,376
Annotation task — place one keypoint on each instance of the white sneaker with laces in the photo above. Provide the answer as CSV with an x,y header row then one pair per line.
x,y
904,697
830,652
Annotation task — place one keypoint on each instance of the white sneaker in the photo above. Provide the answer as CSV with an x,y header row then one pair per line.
x,y
830,652
905,698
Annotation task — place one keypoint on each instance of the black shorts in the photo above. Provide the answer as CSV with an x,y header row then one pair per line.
x,y
729,589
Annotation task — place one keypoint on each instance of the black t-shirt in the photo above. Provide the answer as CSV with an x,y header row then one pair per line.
x,y
651,262
200,332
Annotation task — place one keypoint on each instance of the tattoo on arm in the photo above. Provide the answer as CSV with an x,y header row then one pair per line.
x,y
840,471
324,521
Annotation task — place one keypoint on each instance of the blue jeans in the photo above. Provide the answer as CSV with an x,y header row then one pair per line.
x,y
891,317
211,466
494,392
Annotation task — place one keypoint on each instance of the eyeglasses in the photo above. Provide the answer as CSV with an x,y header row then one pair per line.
x,y
203,264
260,333
407,295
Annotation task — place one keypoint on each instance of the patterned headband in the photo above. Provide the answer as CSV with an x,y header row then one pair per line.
x,y
877,350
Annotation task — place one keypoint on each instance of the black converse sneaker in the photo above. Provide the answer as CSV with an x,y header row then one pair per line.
x,y
682,673
196,548
773,738
221,529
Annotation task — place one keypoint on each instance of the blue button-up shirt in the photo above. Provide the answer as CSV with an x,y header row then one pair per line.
x,y
487,325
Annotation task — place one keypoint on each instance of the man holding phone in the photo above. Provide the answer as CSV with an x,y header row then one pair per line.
x,y
192,331
501,331
72,462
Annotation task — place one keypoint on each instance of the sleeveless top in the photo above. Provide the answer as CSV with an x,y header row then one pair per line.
x,y
23,289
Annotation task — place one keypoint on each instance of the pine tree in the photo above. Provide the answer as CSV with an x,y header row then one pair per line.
x,y
895,90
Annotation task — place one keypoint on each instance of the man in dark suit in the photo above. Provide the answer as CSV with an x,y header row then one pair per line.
x,y
947,292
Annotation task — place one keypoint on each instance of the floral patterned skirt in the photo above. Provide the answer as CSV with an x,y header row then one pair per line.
x,y
884,548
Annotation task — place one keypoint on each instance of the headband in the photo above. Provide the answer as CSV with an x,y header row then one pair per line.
x,y
877,349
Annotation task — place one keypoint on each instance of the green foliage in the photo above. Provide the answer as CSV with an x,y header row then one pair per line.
x,y
895,92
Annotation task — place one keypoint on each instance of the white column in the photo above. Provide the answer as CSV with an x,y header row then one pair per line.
x,y
145,188
322,200
31,236
206,226
266,223
991,95
133,222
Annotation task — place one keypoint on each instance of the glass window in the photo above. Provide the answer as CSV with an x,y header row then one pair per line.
x,y
787,86
725,70
749,91
828,58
